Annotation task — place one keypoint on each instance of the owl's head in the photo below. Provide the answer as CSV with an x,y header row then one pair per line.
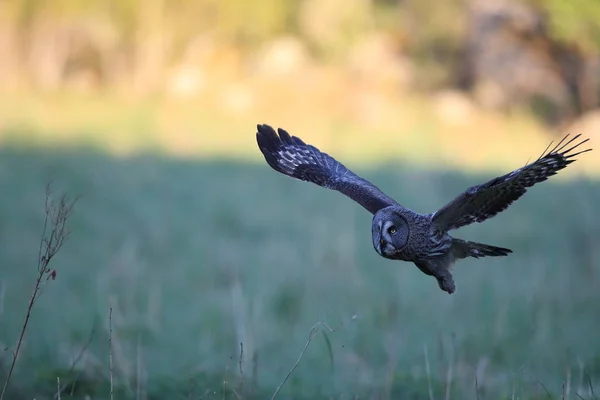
x,y
389,231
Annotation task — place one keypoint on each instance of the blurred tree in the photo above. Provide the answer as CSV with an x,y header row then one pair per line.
x,y
332,26
142,38
434,35
575,22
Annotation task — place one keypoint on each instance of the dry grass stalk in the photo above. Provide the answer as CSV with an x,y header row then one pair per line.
x,y
311,336
54,235
241,359
428,372
110,360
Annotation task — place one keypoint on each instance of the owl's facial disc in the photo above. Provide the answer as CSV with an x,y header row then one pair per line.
x,y
390,235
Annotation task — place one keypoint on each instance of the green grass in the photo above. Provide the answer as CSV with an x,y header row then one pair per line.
x,y
195,256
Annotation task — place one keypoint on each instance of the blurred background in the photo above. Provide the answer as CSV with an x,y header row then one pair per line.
x,y
147,110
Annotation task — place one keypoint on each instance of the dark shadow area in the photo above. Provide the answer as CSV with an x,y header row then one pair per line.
x,y
198,256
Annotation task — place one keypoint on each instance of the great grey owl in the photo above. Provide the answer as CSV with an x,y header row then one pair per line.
x,y
402,234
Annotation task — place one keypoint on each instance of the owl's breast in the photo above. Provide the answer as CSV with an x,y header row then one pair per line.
x,y
413,250
425,244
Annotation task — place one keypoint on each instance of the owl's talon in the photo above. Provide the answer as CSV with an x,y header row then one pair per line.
x,y
446,283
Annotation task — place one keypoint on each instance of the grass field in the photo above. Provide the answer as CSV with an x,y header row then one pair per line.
x,y
410,128
196,256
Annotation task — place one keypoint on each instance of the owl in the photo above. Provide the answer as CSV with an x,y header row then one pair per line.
x,y
399,233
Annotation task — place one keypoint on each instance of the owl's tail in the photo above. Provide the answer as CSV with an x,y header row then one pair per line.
x,y
464,249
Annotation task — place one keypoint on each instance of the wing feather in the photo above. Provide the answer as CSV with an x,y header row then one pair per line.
x,y
481,202
290,156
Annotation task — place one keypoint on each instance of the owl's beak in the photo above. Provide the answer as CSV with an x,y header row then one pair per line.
x,y
378,242
380,245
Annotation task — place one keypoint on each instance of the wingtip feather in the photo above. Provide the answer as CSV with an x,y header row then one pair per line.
x,y
267,138
285,136
560,147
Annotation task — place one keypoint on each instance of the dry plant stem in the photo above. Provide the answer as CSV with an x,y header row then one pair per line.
x,y
390,368
110,361
191,391
241,369
139,377
58,387
76,361
546,390
450,372
233,391
55,220
254,371
224,381
311,336
567,388
428,372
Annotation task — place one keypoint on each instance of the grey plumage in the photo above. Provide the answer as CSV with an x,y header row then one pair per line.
x,y
402,234
291,156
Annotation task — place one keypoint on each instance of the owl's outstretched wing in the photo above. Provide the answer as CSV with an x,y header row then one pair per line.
x,y
291,156
481,202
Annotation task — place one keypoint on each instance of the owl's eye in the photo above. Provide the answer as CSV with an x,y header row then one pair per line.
x,y
392,230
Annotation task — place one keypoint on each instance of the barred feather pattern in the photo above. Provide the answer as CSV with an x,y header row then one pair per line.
x,y
484,201
290,156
